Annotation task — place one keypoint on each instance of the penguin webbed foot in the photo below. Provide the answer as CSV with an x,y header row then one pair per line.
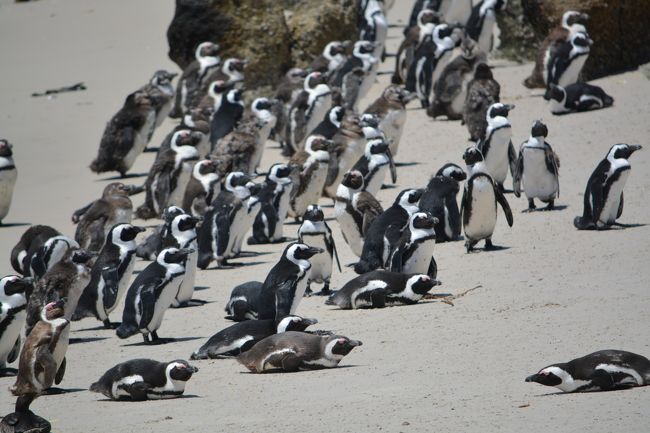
x,y
469,246
111,325
489,246
582,224
531,206
325,291
156,340
8,372
549,206
24,421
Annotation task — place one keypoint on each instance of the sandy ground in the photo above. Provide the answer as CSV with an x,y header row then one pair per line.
x,y
552,295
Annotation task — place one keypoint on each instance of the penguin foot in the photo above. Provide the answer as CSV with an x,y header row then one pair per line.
x,y
550,206
581,224
111,325
7,372
489,246
323,292
531,206
469,246
23,422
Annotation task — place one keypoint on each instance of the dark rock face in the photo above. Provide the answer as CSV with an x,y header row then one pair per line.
x,y
619,29
274,35
518,39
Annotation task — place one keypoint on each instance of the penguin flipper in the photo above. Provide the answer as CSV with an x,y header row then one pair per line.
x,y
432,272
147,305
331,245
517,174
378,298
111,282
284,294
504,204
602,379
512,159
553,166
137,390
76,216
620,207
15,351
60,373
288,360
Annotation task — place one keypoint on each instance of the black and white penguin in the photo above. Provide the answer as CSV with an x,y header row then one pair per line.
x,y
274,198
262,109
357,74
423,23
152,245
538,169
214,96
126,135
285,285
413,253
195,76
565,66
228,115
245,219
439,199
29,243
308,109
145,379
240,337
603,200
8,176
151,294
331,58
230,71
354,210
605,370
293,351
374,27
110,275
376,246
48,255
315,232
496,147
310,167
202,188
390,108
244,301
377,160
482,92
331,123
482,21
181,233
377,289
13,312
479,202
577,97
161,93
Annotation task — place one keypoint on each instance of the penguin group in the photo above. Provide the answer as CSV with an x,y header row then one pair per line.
x,y
204,186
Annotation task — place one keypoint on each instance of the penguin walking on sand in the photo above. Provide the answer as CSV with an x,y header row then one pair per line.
x,y
126,135
202,187
309,167
308,109
110,275
151,294
274,197
181,233
244,301
194,77
145,379
286,283
13,305
376,161
354,210
538,169
479,202
496,147
377,242
482,21
482,92
439,199
8,176
605,370
565,66
413,253
315,232
226,118
577,97
603,199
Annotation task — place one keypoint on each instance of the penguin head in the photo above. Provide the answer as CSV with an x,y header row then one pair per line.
x,y
369,120
234,96
622,150
260,104
442,31
170,256
427,16
205,167
115,189
570,18
499,109
297,251
14,285
335,48
171,212
183,223
335,115
162,78
296,75
53,310
184,137
279,173
421,284
318,143
218,87
337,346
79,256
314,79
556,93
314,213
472,155
5,148
553,375
409,198
122,234
581,42
353,180
237,179
423,220
538,129
294,323
234,65
363,48
452,171
207,49
180,370
376,146
483,72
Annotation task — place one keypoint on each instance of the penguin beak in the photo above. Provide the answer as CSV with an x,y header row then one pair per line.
x,y
355,343
60,303
532,378
309,322
192,368
584,16
509,106
313,251
635,147
132,189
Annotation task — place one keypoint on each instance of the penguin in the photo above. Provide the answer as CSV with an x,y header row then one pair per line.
x,y
479,203
482,21
413,253
214,96
240,337
482,92
202,187
293,351
357,74
565,66
274,198
418,7
110,275
195,76
126,135
228,115
331,123
181,233
246,218
309,168
439,199
152,245
377,289
538,169
145,379
96,220
161,93
308,109
8,176
577,97
287,90
496,147
605,370
376,246
244,301
331,58
374,27
49,254
285,285
231,72
30,241
373,165
603,199
262,109
13,312
450,91
390,108
197,121
572,22
315,232
354,210
423,23
151,294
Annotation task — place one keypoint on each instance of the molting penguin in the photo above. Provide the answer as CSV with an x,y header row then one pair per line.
x,y
577,97
227,116
315,232
202,188
537,168
309,168
126,135
262,109
482,21
181,234
390,108
603,200
565,66
195,76
496,147
274,198
293,351
244,301
482,92
240,337
479,202
376,161
110,275
161,93
8,175
145,379
439,199
413,253
151,294
285,285
605,370
13,304
356,75
308,109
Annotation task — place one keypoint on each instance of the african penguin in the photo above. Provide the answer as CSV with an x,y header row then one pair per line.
x,y
413,252
309,167
244,301
390,108
331,58
565,66
202,187
482,21
308,109
48,255
274,198
356,74
152,245
376,161
13,305
30,241
8,175
422,24
161,93
439,199
496,146
482,92
227,116
195,76
577,97
181,233
455,11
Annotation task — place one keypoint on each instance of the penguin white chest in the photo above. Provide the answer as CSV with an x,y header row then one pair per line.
x,y
572,72
496,158
393,125
7,183
321,264
318,110
283,208
349,228
537,180
420,260
11,334
301,287
186,288
163,302
61,347
613,199
313,190
176,196
140,140
485,38
483,216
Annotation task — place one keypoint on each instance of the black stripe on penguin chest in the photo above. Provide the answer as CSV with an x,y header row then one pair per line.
x,y
11,315
413,246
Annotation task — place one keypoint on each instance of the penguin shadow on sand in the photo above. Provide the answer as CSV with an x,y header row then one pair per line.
x,y
58,391
87,339
616,226
545,209
129,401
162,341
120,178
7,225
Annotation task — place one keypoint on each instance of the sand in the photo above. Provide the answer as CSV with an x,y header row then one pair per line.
x,y
554,294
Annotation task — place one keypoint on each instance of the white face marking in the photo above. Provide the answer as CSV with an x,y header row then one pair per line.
x,y
411,208
568,383
284,323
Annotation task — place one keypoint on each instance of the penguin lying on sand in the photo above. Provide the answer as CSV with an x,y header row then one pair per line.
x,y
577,97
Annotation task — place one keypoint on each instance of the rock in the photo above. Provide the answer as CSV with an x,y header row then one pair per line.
x,y
519,41
274,35
617,27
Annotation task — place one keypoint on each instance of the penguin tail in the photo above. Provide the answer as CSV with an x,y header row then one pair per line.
x,y
96,166
581,223
330,300
125,330
608,101
145,212
364,266
199,355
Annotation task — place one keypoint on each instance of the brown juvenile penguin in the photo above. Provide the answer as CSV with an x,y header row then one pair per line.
x,y
390,108
482,92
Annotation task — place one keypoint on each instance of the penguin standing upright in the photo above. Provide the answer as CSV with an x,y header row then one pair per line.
x,y
565,66
244,301
374,28
231,71
250,210
577,97
195,75
308,109
30,241
13,304
482,92
227,116
376,161
151,294
413,253
331,58
439,199
262,109
110,275
356,75
423,24
479,202
537,168
603,200
390,108
310,167
285,285
161,93
496,147
201,188
482,21
274,197
49,254
181,234
8,175
315,232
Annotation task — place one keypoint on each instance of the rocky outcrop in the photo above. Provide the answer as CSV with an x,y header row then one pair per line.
x,y
274,35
